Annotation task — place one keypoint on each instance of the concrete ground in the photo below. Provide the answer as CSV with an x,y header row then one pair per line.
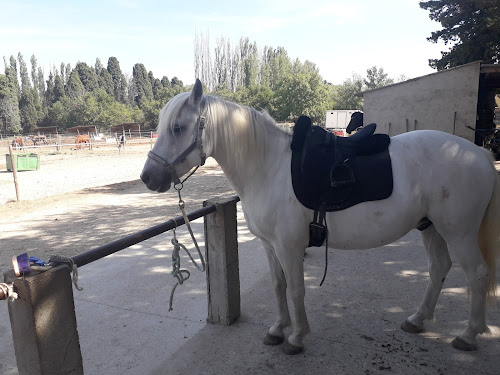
x,y
125,327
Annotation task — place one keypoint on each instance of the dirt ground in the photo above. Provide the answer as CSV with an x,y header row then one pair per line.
x,y
79,200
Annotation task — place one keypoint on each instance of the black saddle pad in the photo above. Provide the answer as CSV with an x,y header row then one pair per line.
x,y
333,173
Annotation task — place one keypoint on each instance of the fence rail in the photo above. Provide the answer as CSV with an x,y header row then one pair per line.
x,y
125,242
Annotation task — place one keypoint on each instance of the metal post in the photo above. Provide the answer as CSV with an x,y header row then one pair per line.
x,y
221,248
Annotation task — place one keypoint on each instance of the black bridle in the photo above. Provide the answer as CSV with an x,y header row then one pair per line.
x,y
196,144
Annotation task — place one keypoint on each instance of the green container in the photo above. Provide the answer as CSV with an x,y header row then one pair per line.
x,y
24,162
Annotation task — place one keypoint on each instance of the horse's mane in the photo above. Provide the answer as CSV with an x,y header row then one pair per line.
x,y
241,129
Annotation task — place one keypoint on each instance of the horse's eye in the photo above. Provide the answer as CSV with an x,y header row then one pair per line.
x,y
177,128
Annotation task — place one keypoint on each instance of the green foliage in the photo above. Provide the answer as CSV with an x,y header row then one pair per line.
x,y
106,82
472,27
142,85
10,121
59,91
74,87
301,94
87,76
119,81
346,95
376,77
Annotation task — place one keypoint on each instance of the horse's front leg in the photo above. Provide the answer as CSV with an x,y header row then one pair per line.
x,y
275,335
292,261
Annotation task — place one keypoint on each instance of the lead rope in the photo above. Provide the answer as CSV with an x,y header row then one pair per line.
x,y
181,274
8,290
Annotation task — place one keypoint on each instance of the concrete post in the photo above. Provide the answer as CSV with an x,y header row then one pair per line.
x,y
43,323
221,249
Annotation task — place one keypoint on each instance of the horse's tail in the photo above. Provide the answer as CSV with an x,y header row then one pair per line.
x,y
489,235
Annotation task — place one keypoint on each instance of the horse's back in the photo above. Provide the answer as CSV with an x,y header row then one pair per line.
x,y
436,175
455,177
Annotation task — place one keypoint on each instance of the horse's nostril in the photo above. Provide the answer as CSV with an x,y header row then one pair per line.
x,y
145,177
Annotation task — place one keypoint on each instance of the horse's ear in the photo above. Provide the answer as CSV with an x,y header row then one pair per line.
x,y
196,92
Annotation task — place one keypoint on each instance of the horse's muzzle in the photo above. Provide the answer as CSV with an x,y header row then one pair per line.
x,y
159,183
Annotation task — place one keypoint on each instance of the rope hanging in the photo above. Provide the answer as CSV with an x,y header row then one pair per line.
x,y
182,274
8,291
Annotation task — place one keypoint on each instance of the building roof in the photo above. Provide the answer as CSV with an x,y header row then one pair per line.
x,y
427,75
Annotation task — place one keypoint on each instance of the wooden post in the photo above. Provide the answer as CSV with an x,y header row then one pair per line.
x,y
221,249
14,172
43,322
151,140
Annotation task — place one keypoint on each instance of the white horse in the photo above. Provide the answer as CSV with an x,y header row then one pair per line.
x,y
438,176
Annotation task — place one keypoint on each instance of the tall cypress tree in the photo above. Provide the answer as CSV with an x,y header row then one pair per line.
x,y
10,120
142,84
27,106
75,88
106,82
49,92
87,76
119,81
41,88
59,91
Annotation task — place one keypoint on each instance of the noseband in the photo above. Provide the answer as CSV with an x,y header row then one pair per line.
x,y
196,144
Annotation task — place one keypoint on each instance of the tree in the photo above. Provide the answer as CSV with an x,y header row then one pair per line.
x,y
165,82
87,76
41,88
10,122
59,91
49,92
301,94
376,77
74,88
27,105
142,84
106,82
472,27
119,81
346,95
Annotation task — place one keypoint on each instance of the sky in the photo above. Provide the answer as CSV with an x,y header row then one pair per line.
x,y
341,37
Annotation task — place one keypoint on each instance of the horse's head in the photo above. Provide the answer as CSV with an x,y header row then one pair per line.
x,y
179,144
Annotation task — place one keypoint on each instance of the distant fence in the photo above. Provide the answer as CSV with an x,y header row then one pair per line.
x,y
51,346
59,144
51,135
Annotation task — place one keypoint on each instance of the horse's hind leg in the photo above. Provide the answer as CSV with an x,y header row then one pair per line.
x,y
275,335
476,272
439,264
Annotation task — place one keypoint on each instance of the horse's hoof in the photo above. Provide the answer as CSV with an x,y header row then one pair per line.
x,y
273,340
461,344
410,327
290,349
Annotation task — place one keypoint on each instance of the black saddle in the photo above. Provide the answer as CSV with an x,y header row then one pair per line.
x,y
331,173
